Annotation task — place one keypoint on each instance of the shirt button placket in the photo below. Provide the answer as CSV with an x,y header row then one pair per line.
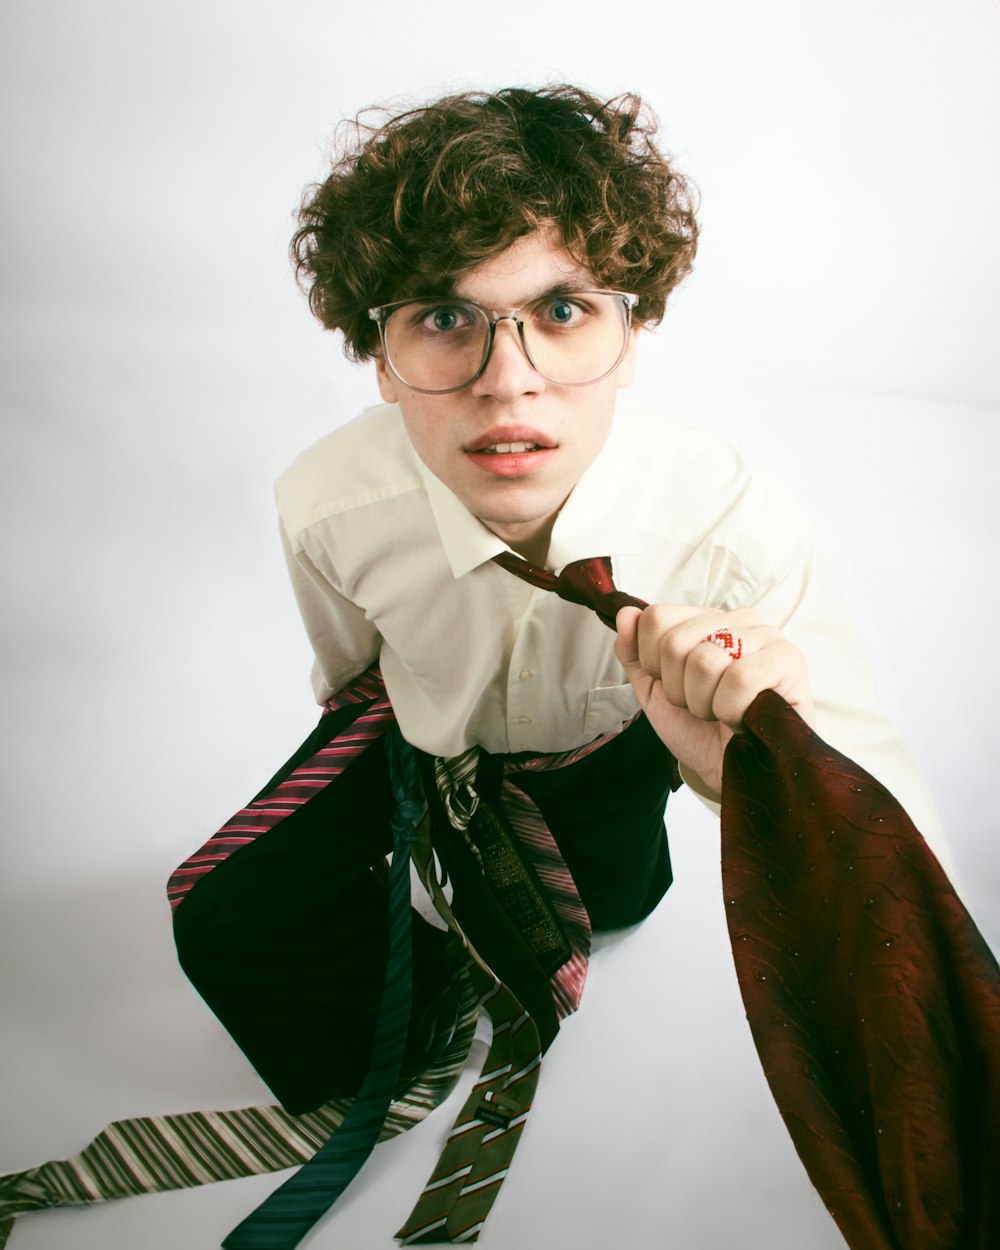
x,y
519,708
525,716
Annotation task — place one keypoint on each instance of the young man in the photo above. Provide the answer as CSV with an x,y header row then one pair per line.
x,y
497,257
458,247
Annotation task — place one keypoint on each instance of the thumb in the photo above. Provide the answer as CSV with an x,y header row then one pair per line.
x,y
627,642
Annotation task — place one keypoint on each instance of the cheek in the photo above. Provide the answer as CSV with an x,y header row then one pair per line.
x,y
425,435
602,414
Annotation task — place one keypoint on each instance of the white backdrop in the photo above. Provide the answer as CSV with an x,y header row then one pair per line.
x,y
159,369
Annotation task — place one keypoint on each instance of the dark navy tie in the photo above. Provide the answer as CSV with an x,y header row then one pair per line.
x,y
285,1217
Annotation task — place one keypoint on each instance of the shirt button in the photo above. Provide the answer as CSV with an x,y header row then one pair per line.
x,y
524,674
524,720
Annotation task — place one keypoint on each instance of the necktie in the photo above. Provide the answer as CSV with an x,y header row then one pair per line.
x,y
587,582
460,1192
540,895
505,866
526,820
284,1218
873,1000
313,774
463,1186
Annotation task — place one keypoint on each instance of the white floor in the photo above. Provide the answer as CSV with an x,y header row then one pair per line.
x,y
653,1125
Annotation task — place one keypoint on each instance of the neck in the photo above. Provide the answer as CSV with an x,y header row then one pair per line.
x,y
531,543
536,551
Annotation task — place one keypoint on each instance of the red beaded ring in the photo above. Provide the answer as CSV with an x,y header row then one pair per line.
x,y
728,641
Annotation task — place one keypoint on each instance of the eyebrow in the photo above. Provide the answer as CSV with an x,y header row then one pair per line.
x,y
566,286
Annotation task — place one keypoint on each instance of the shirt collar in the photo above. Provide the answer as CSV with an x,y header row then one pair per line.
x,y
466,541
596,520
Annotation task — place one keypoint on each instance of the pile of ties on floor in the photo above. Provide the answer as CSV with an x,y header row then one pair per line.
x,y
873,1001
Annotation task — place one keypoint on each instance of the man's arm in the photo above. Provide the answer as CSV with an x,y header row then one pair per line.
x,y
798,617
344,641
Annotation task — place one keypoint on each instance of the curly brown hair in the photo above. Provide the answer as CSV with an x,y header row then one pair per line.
x,y
419,199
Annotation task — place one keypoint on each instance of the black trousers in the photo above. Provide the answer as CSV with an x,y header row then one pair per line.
x,y
286,939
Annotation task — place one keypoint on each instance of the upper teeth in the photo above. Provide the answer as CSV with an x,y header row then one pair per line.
x,y
504,449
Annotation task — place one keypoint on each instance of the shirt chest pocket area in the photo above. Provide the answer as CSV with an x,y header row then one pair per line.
x,y
608,708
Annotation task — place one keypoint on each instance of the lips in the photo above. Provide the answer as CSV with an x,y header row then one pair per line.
x,y
512,464
511,451
510,440
506,449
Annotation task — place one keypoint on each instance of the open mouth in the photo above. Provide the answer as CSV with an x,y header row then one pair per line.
x,y
512,451
510,458
508,449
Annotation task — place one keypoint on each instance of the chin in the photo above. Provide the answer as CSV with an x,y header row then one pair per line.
x,y
514,520
518,508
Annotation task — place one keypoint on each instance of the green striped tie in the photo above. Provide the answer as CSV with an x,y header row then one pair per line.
x,y
155,1153
461,1190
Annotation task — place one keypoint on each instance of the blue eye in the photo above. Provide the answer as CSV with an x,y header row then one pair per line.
x,y
561,312
446,318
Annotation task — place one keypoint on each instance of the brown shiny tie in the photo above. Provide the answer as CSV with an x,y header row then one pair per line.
x,y
587,582
873,999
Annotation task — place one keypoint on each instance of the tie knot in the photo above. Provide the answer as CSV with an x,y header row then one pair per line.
x,y
590,583
587,582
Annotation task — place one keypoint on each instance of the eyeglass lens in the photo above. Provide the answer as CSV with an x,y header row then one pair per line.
x,y
570,339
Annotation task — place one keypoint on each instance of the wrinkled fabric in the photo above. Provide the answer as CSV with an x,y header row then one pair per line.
x,y
873,1000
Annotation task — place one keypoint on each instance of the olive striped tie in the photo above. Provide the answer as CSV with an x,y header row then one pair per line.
x,y
152,1154
461,1191
462,1188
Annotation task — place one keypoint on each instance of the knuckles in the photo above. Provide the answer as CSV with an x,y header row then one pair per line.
x,y
672,647
706,661
736,691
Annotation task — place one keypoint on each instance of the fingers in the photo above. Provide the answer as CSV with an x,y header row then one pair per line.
x,y
627,644
778,666
702,676
671,645
627,653
667,641
633,640
635,654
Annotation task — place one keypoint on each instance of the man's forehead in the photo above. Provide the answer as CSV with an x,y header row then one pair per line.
x,y
533,265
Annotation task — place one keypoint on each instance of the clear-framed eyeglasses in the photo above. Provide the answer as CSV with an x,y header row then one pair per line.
x,y
572,338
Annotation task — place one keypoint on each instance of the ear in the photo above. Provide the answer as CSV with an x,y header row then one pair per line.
x,y
386,382
626,370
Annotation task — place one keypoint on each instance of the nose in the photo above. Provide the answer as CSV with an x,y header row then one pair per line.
x,y
509,373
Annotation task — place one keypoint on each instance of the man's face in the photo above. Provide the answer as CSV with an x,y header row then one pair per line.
x,y
516,494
